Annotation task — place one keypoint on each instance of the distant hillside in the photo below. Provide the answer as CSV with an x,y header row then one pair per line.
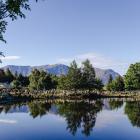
x,y
59,69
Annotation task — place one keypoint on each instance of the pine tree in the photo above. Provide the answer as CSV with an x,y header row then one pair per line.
x,y
9,76
73,79
88,76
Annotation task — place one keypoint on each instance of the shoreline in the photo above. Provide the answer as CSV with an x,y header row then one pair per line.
x,y
51,96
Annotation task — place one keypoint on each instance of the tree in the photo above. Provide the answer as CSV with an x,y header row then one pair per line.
x,y
40,80
62,82
73,80
132,77
9,76
88,76
33,78
11,9
98,84
2,76
16,84
117,84
109,84
24,80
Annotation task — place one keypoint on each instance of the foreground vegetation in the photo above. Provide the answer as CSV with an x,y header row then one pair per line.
x,y
78,83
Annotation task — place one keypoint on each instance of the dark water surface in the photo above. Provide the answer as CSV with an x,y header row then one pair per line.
x,y
106,119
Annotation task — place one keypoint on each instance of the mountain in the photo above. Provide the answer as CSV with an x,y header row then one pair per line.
x,y
59,69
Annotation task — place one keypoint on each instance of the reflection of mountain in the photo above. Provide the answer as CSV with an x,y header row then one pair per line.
x,y
111,104
132,110
21,109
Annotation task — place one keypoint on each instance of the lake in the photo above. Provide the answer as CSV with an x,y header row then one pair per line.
x,y
101,119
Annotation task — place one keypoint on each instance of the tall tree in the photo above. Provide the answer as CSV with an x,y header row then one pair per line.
x,y
9,76
88,76
2,76
109,84
33,78
73,77
132,77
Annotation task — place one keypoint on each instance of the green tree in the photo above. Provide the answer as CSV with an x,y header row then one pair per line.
x,y
98,84
33,79
109,84
9,76
88,76
62,82
40,80
2,76
11,9
16,84
132,77
24,80
73,80
116,85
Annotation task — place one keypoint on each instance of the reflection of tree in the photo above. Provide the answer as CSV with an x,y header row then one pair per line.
x,y
115,104
132,110
38,108
80,114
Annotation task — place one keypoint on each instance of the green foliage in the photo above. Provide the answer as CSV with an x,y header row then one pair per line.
x,y
109,85
132,77
16,84
73,77
62,82
115,104
98,84
80,115
9,76
11,9
40,80
132,110
116,85
88,76
80,78
24,80
2,76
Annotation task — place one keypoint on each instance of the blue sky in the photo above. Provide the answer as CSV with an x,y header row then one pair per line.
x,y
58,31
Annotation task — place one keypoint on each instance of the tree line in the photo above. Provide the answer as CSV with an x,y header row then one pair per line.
x,y
77,78
130,81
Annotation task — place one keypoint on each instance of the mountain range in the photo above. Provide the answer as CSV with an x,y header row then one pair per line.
x,y
59,69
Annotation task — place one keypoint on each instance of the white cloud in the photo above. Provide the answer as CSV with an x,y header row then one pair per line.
x,y
8,121
97,60
10,58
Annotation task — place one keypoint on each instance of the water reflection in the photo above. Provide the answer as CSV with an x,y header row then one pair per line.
x,y
38,108
132,110
79,116
115,103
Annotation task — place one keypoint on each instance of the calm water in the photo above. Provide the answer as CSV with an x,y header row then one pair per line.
x,y
71,120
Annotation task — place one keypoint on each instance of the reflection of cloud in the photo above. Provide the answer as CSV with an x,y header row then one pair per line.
x,y
8,121
10,58
96,59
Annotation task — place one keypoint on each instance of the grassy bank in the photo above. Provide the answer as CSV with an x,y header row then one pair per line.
x,y
24,94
